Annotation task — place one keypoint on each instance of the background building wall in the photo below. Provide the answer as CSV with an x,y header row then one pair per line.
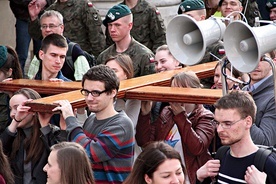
x,y
167,8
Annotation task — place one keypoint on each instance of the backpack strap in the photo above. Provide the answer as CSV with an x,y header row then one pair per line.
x,y
221,152
69,59
261,157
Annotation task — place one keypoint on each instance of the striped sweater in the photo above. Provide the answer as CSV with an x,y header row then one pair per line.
x,y
109,144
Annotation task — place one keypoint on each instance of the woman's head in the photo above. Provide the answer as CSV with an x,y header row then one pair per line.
x,y
217,76
17,99
122,65
68,163
164,59
9,64
158,163
186,80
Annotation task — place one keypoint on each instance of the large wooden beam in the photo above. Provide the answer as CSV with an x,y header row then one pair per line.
x,y
152,93
174,94
159,79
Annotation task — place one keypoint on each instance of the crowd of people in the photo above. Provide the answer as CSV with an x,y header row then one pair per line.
x,y
124,140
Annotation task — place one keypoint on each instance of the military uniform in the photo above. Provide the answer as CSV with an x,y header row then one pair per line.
x,y
82,24
250,9
141,56
148,26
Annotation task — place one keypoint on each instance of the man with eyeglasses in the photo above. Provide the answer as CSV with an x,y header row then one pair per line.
x,y
51,21
263,131
107,135
234,116
82,23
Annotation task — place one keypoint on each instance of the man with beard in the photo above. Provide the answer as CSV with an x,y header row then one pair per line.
x,y
234,116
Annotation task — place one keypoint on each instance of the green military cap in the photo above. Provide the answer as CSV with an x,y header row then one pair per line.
x,y
221,1
3,55
271,4
190,5
116,12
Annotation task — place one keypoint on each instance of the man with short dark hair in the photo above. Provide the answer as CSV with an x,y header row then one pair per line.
x,y
234,116
107,135
119,22
51,21
52,53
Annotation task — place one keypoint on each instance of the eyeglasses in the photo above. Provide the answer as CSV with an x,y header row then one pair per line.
x,y
227,124
94,93
51,26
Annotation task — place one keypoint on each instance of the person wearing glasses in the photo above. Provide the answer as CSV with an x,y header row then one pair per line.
x,y
81,20
107,135
263,131
234,117
51,21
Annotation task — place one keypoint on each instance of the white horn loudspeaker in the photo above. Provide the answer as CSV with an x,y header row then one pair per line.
x,y
187,38
245,45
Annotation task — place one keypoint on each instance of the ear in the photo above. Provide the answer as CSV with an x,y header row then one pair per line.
x,y
202,17
41,54
241,8
148,180
9,72
114,93
62,27
130,25
249,121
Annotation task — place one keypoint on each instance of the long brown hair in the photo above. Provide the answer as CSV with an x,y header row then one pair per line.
x,y
5,169
149,160
33,144
74,163
12,63
125,63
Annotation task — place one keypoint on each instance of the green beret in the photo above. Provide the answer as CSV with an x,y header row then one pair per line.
x,y
271,4
3,55
115,13
221,1
190,5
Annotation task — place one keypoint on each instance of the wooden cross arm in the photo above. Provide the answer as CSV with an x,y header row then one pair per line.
x,y
42,87
152,93
46,104
174,94
159,79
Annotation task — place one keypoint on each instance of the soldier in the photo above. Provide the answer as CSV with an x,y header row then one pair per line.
x,y
249,9
196,9
82,23
271,6
148,25
119,22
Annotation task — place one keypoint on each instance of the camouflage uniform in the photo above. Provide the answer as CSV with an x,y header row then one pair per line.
x,y
251,12
141,57
148,26
82,24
